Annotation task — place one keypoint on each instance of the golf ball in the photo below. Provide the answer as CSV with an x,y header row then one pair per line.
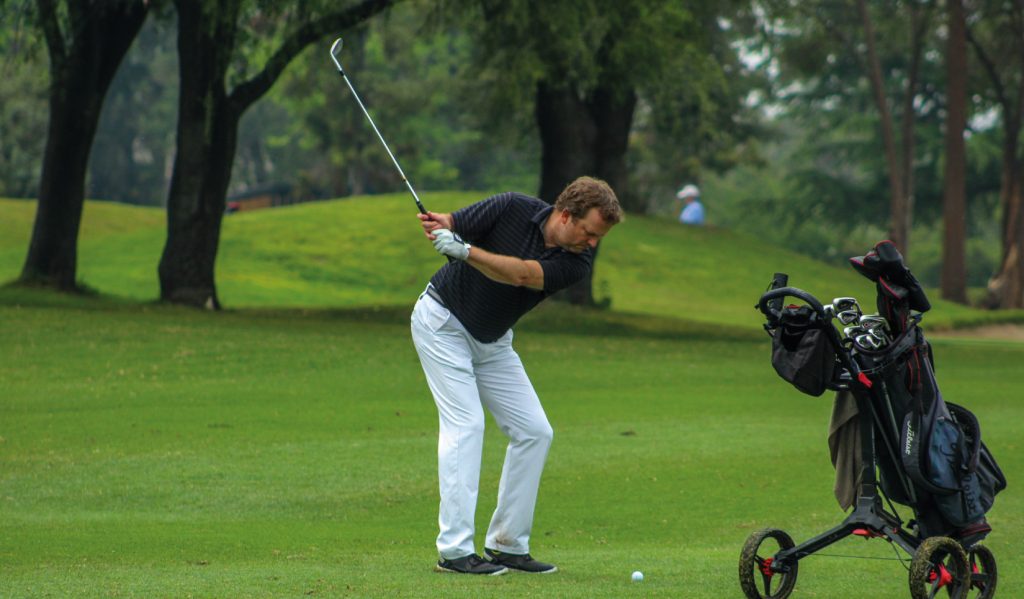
x,y
638,576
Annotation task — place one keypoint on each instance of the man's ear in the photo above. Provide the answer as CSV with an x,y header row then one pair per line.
x,y
564,216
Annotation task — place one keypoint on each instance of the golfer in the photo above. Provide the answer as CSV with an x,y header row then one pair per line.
x,y
509,252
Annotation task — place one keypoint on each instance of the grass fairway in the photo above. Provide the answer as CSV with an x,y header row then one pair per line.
x,y
149,451
158,452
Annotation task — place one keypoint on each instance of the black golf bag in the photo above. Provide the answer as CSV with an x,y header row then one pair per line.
x,y
953,478
900,437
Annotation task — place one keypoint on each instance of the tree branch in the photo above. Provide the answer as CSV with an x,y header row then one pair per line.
x,y
990,68
246,93
51,31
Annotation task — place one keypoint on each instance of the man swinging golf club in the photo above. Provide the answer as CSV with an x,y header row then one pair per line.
x,y
520,251
507,253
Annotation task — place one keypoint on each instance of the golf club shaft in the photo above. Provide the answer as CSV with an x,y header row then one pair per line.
x,y
419,204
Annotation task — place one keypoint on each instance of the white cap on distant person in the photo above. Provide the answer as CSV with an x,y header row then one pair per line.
x,y
689,191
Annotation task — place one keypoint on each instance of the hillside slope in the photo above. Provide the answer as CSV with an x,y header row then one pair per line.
x,y
370,251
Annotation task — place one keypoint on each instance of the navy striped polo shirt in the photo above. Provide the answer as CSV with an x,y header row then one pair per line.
x,y
510,224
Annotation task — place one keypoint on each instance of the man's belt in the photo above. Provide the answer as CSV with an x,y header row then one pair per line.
x,y
435,295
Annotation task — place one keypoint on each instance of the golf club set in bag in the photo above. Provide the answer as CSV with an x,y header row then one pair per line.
x,y
908,446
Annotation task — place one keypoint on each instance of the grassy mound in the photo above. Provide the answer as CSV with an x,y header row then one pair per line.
x,y
369,251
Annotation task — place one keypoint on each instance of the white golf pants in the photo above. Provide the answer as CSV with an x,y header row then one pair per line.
x,y
464,376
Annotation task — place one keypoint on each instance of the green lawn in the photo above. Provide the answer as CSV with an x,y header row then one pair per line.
x,y
287,446
159,452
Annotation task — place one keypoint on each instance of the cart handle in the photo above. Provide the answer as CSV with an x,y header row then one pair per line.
x,y
782,292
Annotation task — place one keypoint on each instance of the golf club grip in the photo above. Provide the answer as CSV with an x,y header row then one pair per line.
x,y
779,280
782,292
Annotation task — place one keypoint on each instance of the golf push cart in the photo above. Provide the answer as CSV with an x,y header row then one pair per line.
x,y
906,445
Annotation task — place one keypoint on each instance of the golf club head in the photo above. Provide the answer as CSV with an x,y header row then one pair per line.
x,y
872,321
830,312
842,304
335,50
853,331
880,334
867,342
848,317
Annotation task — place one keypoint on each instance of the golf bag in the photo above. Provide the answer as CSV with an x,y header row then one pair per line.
x,y
895,436
954,476
941,467
940,448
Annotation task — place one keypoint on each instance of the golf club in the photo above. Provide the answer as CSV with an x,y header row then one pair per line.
x,y
842,304
868,342
848,316
335,50
872,320
877,326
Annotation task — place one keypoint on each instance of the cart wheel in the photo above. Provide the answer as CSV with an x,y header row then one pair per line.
x,y
757,579
982,566
939,564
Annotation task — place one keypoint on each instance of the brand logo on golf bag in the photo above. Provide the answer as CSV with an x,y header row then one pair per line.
x,y
910,438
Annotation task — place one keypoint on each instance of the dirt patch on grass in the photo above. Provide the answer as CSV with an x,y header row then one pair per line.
x,y
1006,332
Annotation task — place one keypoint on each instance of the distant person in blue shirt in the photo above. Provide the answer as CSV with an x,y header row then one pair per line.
x,y
693,210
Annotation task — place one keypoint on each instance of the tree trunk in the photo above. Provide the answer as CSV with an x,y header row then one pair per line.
x,y
80,75
954,212
899,232
567,137
583,136
1006,288
613,115
919,26
207,137
208,133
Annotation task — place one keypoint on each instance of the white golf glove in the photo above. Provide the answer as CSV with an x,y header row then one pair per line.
x,y
449,244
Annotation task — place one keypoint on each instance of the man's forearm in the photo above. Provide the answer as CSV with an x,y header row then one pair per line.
x,y
507,269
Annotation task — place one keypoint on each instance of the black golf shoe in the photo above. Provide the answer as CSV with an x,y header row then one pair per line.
x,y
470,564
523,563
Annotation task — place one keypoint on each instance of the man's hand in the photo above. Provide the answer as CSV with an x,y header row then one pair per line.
x,y
434,221
448,244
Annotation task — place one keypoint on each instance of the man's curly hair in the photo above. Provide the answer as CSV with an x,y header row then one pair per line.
x,y
587,192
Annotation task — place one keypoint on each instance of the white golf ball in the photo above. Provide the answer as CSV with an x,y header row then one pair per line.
x,y
638,576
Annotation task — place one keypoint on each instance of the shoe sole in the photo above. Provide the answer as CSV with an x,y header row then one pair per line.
x,y
440,568
551,571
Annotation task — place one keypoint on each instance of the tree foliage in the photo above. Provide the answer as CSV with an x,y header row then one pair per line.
x,y
23,94
135,138
675,58
415,85
768,105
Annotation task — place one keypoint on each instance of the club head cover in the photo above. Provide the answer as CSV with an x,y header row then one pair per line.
x,y
896,271
892,305
885,261
866,265
888,256
892,291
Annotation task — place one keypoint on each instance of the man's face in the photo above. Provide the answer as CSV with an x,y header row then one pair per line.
x,y
578,234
